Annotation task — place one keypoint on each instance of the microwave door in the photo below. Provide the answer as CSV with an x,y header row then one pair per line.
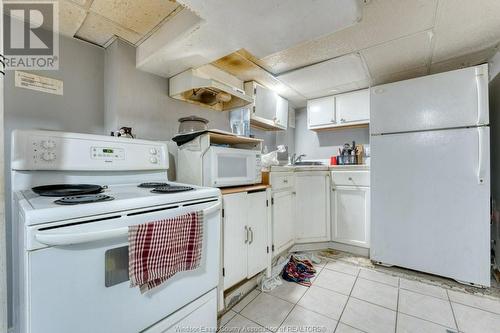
x,y
231,167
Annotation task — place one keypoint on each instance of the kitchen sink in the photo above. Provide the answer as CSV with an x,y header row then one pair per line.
x,y
308,163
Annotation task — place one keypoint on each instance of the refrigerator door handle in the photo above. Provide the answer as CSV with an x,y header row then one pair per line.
x,y
482,95
482,145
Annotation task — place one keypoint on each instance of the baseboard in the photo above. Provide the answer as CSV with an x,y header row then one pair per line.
x,y
360,251
234,294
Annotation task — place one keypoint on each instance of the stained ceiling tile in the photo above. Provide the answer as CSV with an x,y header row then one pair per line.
x,y
399,55
383,20
404,75
244,69
328,77
100,30
463,61
139,16
82,3
71,18
465,26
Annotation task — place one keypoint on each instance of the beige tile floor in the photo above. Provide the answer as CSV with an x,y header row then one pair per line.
x,y
346,297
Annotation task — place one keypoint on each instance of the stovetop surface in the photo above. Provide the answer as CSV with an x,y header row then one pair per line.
x,y
125,197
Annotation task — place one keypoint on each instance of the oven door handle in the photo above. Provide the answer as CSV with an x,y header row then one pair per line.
x,y
65,238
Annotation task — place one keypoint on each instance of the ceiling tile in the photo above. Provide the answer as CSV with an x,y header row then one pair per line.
x,y
71,18
383,21
82,3
99,30
345,72
399,55
244,69
468,60
465,26
404,75
139,16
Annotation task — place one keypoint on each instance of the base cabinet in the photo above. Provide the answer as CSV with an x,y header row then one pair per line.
x,y
312,207
245,241
351,215
283,217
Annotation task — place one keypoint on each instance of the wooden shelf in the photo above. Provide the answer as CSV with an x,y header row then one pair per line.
x,y
232,139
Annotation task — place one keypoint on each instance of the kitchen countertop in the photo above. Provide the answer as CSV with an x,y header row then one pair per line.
x,y
245,188
292,168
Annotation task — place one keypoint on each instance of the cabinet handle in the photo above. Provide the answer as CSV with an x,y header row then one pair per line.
x,y
251,235
350,178
285,181
246,234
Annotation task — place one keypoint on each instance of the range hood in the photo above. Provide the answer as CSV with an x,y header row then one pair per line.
x,y
210,87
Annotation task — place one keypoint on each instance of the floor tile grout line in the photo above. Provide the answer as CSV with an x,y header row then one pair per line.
x,y
452,311
253,321
348,298
388,284
243,308
397,307
426,320
370,302
337,292
475,307
421,293
296,304
357,329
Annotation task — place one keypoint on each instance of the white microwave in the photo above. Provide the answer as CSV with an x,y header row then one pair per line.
x,y
223,166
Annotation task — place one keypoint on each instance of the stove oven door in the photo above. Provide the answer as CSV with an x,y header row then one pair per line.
x,y
84,287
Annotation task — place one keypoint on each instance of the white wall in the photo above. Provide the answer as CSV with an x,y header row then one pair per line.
x,y
140,100
323,144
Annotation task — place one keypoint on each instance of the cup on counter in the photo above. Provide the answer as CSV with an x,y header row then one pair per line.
x,y
333,160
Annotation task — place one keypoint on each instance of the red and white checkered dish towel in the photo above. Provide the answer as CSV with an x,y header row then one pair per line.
x,y
160,249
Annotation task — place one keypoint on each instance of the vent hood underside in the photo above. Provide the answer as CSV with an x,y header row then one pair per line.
x,y
210,87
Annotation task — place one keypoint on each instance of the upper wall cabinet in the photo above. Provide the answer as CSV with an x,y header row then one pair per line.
x,y
269,111
349,109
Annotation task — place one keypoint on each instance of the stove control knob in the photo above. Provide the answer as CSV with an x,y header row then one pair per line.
x,y
48,156
153,160
48,144
153,151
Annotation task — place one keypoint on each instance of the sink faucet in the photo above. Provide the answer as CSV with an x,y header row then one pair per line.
x,y
297,159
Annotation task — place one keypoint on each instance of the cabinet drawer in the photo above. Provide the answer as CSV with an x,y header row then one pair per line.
x,y
351,178
281,180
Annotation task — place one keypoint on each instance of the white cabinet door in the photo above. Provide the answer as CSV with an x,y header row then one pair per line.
x,y
353,108
351,215
265,103
269,111
321,112
312,207
283,225
257,230
281,112
291,117
235,238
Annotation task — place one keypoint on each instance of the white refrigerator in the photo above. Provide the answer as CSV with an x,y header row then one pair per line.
x,y
430,175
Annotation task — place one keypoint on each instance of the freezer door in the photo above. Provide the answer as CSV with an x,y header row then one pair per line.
x,y
431,202
447,100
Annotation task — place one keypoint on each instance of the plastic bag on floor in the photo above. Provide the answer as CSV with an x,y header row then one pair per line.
x,y
268,284
308,256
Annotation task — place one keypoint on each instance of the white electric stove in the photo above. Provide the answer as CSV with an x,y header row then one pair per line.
x,y
74,197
